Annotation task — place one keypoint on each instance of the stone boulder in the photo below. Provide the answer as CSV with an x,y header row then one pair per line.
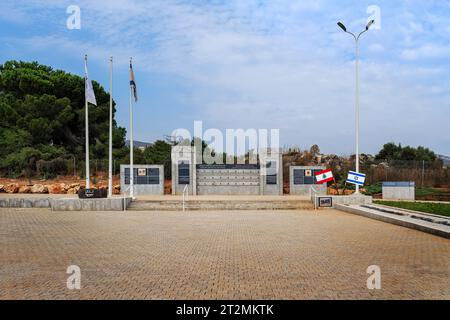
x,y
39,188
64,187
24,189
55,188
73,190
12,188
332,191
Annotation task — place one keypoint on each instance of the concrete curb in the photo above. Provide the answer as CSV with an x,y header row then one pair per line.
x,y
406,222
104,204
68,204
25,202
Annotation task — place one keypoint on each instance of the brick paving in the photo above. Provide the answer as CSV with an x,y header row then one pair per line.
x,y
216,255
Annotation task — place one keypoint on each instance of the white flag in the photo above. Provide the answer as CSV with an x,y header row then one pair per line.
x,y
88,89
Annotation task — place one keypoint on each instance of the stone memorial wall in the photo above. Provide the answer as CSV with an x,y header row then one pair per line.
x,y
226,179
148,179
302,179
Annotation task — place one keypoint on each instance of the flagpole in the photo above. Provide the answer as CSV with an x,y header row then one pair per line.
x,y
110,125
131,140
88,185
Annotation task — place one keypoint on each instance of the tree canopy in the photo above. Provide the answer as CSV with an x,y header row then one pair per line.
x,y
392,151
42,117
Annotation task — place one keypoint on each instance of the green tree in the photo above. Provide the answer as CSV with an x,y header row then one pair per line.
x,y
390,151
43,109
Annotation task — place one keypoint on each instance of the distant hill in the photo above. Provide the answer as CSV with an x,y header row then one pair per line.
x,y
445,159
139,144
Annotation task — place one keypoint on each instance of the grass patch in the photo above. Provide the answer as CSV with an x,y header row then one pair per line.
x,y
442,209
426,191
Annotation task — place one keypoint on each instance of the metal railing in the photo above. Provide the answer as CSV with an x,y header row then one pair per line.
x,y
185,196
313,195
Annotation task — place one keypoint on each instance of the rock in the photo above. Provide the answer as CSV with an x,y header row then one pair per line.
x,y
73,190
349,192
64,187
55,189
24,189
12,188
39,188
116,189
2,188
74,185
333,191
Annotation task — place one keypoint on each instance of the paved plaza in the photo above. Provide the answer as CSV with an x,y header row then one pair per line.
x,y
216,255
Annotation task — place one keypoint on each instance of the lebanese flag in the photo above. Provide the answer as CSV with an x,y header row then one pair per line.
x,y
324,176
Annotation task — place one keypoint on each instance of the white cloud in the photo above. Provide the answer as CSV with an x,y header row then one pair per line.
x,y
426,51
278,64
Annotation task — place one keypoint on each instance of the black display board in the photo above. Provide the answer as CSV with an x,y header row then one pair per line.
x,y
143,176
271,173
183,173
305,176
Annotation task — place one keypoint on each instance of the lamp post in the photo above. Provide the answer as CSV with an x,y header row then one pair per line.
x,y
356,37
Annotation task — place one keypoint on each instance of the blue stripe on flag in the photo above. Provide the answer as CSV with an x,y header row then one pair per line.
x,y
357,174
355,182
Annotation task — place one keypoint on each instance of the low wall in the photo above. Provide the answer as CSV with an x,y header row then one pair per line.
x,y
66,204
399,190
25,202
419,225
346,200
227,190
301,185
142,188
105,204
305,190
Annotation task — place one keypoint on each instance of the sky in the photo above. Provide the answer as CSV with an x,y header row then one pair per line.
x,y
281,64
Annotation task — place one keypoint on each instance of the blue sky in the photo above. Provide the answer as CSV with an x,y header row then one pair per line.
x,y
255,64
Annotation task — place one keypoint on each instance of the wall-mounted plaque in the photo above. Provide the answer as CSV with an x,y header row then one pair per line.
x,y
271,172
305,176
143,176
325,202
183,172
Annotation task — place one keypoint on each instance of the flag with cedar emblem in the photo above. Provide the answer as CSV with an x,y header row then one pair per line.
x,y
324,176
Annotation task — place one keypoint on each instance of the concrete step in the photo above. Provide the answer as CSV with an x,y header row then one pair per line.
x,y
177,205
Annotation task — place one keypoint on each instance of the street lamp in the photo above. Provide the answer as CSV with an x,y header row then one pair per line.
x,y
356,37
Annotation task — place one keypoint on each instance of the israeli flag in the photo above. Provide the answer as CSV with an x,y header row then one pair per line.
x,y
356,178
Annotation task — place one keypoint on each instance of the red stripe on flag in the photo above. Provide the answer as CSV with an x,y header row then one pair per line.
x,y
322,172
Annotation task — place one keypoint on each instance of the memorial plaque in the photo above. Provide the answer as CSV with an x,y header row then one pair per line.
x,y
92,193
183,173
325,202
301,178
143,176
271,172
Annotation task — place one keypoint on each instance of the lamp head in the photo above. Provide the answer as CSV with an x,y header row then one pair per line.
x,y
371,22
341,25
